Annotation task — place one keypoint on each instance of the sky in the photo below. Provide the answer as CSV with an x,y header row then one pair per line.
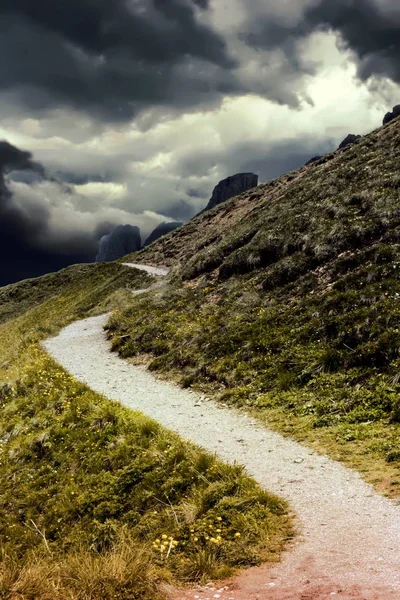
x,y
131,111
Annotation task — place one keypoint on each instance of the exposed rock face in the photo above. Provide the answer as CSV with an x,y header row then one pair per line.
x,y
350,139
160,230
392,115
312,160
122,240
232,186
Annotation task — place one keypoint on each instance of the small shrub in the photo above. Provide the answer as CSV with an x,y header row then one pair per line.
x,y
393,456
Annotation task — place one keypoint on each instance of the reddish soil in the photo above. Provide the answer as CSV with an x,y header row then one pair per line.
x,y
304,580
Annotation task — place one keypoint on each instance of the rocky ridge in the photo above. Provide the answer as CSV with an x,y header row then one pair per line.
x,y
232,186
391,115
122,240
161,229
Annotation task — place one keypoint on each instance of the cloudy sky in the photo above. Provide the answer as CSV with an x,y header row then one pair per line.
x,y
131,111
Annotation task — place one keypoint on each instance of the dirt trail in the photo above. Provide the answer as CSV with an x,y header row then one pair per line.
x,y
157,271
349,542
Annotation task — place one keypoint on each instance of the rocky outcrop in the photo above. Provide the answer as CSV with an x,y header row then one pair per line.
x,y
350,139
161,229
232,186
122,240
312,160
392,115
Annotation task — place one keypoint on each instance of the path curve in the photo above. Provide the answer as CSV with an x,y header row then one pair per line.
x,y
157,271
349,545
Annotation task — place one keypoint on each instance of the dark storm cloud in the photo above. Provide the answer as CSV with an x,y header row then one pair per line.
x,y
81,179
149,30
370,28
111,58
24,230
46,225
115,59
181,211
14,159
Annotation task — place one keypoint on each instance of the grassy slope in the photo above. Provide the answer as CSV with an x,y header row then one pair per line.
x,y
286,300
100,279
89,488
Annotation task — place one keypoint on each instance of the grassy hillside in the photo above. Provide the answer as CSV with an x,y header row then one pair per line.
x,y
339,203
97,501
90,284
286,300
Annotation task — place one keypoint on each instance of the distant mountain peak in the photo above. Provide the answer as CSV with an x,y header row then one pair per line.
x,y
123,240
161,229
232,186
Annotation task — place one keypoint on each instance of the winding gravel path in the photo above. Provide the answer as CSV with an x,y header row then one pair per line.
x,y
157,271
349,542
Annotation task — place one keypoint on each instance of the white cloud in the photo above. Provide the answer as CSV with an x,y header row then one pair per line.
x,y
102,192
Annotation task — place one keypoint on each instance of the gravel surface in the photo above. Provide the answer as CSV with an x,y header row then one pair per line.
x,y
349,542
157,271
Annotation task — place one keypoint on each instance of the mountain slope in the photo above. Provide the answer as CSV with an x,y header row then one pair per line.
x,y
286,300
96,281
336,204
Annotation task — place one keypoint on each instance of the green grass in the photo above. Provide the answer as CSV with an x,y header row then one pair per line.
x,y
87,284
320,368
283,301
94,496
286,301
37,308
297,222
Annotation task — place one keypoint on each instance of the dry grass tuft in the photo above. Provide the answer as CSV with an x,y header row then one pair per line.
x,y
125,572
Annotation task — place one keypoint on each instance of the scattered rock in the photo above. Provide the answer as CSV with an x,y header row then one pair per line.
x,y
392,115
5,390
161,229
232,186
350,139
123,240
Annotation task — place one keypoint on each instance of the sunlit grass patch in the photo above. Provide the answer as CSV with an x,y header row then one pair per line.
x,y
77,470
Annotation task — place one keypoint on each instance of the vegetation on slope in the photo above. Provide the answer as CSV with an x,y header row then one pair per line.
x,y
87,284
287,301
98,501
